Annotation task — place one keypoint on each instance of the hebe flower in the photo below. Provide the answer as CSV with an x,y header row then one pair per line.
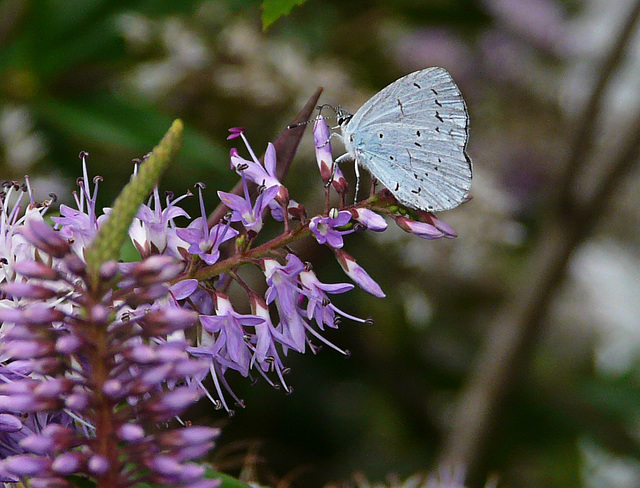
x,y
99,360
114,374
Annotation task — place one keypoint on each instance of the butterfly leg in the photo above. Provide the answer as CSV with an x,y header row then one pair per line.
x,y
348,157
357,170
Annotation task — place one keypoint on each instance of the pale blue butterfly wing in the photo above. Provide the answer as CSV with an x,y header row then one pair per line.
x,y
412,137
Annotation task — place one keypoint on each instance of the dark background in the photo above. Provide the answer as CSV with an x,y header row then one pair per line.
x,y
511,349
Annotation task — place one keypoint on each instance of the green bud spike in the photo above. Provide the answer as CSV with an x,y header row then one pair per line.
x,y
112,234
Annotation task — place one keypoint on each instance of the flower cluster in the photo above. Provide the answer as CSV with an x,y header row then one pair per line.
x,y
95,379
84,379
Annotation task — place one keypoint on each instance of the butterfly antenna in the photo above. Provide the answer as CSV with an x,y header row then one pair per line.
x,y
319,108
293,126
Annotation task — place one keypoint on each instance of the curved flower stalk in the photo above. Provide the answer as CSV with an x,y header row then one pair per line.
x,y
99,360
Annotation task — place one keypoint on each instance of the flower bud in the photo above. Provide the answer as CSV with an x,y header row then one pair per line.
x,y
358,274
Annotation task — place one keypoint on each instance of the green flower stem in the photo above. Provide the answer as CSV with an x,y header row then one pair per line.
x,y
112,234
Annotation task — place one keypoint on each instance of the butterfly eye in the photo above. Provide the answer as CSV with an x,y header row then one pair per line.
x,y
342,116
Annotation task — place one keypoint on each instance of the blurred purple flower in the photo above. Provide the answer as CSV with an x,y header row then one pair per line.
x,y
540,21
433,47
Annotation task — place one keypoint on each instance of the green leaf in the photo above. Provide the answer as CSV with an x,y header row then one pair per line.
x,y
227,481
124,124
272,10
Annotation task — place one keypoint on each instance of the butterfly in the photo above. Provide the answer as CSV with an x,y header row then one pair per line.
x,y
412,137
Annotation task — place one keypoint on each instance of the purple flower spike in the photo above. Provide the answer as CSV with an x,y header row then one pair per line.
x,y
358,274
92,378
323,229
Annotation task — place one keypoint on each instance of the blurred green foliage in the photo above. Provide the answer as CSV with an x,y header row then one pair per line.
x,y
272,10
109,76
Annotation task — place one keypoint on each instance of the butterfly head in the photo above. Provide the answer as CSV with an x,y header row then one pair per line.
x,y
342,116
